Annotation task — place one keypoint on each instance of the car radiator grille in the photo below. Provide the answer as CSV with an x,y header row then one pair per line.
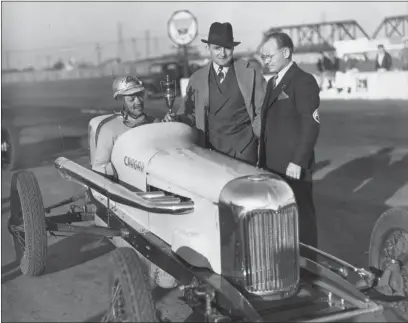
x,y
272,250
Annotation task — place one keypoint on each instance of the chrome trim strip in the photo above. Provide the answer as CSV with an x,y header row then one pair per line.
x,y
151,195
118,193
343,316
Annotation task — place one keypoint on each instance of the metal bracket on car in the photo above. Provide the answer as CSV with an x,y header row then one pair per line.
x,y
360,271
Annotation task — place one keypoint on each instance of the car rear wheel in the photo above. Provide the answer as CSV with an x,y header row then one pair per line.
x,y
389,243
130,292
27,223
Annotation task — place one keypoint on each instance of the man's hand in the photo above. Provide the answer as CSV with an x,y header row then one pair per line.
x,y
169,117
293,171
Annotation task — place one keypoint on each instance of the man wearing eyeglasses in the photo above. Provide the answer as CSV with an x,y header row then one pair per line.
x,y
290,127
224,99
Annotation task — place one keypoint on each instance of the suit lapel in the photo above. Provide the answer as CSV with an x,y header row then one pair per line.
x,y
245,78
204,85
222,97
282,85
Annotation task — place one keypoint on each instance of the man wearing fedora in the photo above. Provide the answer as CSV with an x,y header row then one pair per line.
x,y
224,99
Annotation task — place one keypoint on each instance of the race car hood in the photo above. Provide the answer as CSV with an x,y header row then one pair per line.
x,y
197,170
167,153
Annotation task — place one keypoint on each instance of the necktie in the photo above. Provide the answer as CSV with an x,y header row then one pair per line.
x,y
220,74
274,81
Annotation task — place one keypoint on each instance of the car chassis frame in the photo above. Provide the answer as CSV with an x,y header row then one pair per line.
x,y
202,288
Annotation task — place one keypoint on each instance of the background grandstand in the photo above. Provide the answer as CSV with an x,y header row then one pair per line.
x,y
309,39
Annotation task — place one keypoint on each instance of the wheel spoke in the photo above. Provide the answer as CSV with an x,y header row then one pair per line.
x,y
117,307
396,244
20,240
396,248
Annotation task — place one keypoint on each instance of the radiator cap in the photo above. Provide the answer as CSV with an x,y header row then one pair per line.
x,y
257,178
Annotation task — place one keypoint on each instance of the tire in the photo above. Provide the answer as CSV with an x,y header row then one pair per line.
x,y
391,220
27,211
9,160
393,223
130,278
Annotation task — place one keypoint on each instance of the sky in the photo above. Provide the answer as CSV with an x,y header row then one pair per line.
x,y
74,28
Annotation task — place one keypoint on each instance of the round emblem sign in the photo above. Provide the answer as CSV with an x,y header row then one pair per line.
x,y
182,27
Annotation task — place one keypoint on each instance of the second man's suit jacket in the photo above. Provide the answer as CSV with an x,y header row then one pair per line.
x,y
290,122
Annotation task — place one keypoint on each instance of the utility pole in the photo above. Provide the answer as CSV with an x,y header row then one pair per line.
x,y
156,44
147,38
185,61
121,44
134,46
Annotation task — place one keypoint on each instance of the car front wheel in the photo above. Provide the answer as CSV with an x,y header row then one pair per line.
x,y
130,292
27,223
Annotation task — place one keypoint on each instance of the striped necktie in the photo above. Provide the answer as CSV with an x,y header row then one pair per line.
x,y
273,81
220,74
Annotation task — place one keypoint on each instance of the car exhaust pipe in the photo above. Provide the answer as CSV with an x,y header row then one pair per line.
x,y
154,202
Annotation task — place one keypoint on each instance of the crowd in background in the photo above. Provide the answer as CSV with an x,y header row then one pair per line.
x,y
329,67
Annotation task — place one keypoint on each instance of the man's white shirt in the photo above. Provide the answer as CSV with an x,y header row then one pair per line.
x,y
282,73
380,58
224,70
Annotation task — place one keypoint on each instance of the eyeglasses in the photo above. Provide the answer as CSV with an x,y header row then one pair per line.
x,y
264,57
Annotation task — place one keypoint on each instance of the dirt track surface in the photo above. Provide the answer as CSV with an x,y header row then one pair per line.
x,y
362,157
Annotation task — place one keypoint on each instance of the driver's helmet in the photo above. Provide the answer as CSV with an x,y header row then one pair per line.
x,y
126,85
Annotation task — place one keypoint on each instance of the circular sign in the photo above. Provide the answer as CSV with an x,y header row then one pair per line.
x,y
182,27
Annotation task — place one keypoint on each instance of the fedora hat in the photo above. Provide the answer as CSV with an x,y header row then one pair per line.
x,y
221,35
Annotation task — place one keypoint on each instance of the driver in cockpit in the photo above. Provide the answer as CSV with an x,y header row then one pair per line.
x,y
131,90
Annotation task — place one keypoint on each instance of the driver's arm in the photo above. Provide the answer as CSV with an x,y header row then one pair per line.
x,y
102,161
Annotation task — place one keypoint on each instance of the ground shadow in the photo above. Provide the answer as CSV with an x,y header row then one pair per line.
x,y
350,198
321,164
10,271
96,318
63,254
75,250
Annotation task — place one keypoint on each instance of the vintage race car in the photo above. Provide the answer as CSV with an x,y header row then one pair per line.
x,y
226,231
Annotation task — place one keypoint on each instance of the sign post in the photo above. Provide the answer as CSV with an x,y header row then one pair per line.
x,y
183,29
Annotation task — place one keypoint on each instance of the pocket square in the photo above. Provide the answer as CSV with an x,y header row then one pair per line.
x,y
282,96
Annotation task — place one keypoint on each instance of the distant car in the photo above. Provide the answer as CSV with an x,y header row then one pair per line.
x,y
225,230
158,71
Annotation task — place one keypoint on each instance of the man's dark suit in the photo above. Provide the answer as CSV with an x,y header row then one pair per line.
x,y
386,62
289,130
231,113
